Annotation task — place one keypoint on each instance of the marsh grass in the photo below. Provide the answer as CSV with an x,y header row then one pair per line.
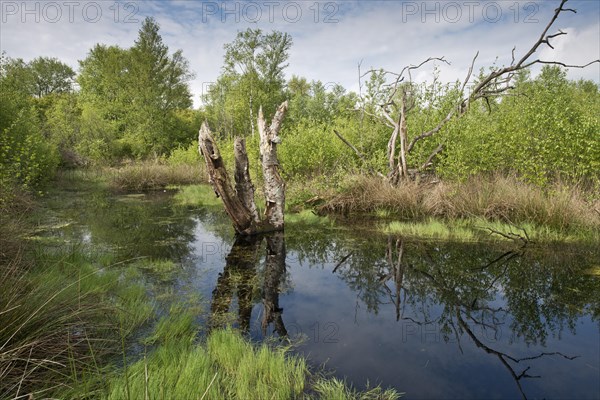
x,y
152,175
430,229
308,217
178,325
61,314
479,229
226,366
197,195
162,269
334,389
554,212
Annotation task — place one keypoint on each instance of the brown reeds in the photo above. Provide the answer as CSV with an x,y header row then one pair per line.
x,y
495,198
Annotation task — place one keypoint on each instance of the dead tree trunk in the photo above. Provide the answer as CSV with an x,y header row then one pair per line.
x,y
242,218
243,183
239,202
274,184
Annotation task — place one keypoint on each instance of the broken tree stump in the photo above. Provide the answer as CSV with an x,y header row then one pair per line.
x,y
239,201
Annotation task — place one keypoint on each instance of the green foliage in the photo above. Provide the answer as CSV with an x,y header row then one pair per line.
x,y
547,128
197,196
26,157
139,95
310,148
185,155
252,77
40,77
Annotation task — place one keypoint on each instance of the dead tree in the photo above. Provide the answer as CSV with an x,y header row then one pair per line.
x,y
394,108
239,200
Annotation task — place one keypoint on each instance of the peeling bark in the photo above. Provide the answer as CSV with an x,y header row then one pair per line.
x,y
274,184
239,202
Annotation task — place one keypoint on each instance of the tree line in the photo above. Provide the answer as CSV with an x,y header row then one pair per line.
x,y
135,103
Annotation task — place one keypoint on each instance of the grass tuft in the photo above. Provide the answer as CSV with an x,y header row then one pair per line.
x,y
334,389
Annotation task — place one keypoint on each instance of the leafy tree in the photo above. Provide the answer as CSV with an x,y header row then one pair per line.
x,y
26,158
252,77
547,127
51,76
137,94
40,77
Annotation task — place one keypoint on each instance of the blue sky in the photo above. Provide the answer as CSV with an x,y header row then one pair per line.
x,y
330,38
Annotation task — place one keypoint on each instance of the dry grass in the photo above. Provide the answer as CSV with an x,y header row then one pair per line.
x,y
497,198
152,175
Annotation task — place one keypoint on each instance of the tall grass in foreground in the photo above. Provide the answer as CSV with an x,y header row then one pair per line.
x,y
497,198
226,366
61,316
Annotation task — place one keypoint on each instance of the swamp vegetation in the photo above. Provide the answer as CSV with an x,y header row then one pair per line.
x,y
465,266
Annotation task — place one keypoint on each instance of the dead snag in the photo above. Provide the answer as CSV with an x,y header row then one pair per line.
x,y
243,183
242,218
239,202
274,184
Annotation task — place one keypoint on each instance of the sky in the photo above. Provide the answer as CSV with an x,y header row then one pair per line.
x,y
331,38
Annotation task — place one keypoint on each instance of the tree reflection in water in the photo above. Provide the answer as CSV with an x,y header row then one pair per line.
x,y
469,291
438,275
240,276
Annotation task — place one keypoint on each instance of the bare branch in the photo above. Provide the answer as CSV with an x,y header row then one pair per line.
x,y
358,153
429,161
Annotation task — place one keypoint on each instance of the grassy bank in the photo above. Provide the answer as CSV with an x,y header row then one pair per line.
x,y
466,209
226,366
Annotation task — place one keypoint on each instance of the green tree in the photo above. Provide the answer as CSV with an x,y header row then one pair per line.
x,y
51,76
252,77
40,77
26,157
137,93
546,128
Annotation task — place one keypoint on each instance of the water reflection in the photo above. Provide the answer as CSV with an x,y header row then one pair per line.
x,y
240,277
464,311
510,304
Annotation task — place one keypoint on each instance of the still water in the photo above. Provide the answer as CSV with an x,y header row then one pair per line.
x,y
432,319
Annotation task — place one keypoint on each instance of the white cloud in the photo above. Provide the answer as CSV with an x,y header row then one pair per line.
x,y
386,34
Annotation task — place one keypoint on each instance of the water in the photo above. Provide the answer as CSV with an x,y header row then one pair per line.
x,y
432,319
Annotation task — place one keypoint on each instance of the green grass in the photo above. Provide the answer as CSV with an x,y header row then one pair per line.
x,y
63,311
478,229
226,366
162,269
431,229
178,325
334,389
196,196
152,175
555,213
307,217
